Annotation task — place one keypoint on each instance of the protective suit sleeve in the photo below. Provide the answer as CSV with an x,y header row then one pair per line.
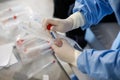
x,y
92,10
101,65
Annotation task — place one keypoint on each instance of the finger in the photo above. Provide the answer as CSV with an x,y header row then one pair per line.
x,y
44,23
54,47
54,22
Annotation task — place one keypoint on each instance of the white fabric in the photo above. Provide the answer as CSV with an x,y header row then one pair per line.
x,y
6,55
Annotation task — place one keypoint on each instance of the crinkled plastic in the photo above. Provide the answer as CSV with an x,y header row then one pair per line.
x,y
10,18
33,43
36,41
31,47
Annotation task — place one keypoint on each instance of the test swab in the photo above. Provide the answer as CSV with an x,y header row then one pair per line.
x,y
11,18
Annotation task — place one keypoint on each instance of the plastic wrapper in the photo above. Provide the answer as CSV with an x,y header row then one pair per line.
x,y
33,44
10,18
35,41
32,47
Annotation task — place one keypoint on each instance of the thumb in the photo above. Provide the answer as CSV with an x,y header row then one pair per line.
x,y
58,42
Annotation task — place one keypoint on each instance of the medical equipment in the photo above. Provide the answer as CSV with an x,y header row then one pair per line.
x,y
14,13
49,27
75,45
13,9
53,34
10,19
27,47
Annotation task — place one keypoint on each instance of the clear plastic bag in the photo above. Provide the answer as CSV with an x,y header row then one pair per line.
x,y
31,47
10,18
14,13
33,41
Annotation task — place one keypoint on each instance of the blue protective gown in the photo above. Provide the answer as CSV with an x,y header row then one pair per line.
x,y
102,64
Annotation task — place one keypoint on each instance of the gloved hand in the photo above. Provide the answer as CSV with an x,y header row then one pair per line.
x,y
63,25
66,52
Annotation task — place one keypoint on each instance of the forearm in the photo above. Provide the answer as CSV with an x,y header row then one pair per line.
x,y
102,64
93,11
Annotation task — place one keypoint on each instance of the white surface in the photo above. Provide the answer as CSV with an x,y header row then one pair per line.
x,y
6,56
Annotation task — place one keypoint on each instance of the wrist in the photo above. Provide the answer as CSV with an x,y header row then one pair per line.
x,y
76,55
78,20
70,23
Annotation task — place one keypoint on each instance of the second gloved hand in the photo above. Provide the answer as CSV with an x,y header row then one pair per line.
x,y
66,52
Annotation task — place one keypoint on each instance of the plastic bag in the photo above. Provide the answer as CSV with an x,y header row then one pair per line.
x,y
32,47
33,41
10,18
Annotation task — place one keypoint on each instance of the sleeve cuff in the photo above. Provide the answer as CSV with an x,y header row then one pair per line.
x,y
78,20
77,53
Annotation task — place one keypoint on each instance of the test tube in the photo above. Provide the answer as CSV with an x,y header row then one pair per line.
x,y
42,47
12,9
11,18
53,35
49,27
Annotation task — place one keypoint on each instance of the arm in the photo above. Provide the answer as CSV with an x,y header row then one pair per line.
x,y
101,65
92,10
86,13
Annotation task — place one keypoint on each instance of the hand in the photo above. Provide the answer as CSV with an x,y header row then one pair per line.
x,y
60,25
66,52
74,21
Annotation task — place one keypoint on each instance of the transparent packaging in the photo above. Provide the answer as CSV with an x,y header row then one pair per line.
x,y
10,18
32,44
31,47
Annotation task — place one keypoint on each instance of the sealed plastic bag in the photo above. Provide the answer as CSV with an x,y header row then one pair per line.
x,y
33,41
10,18
31,48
